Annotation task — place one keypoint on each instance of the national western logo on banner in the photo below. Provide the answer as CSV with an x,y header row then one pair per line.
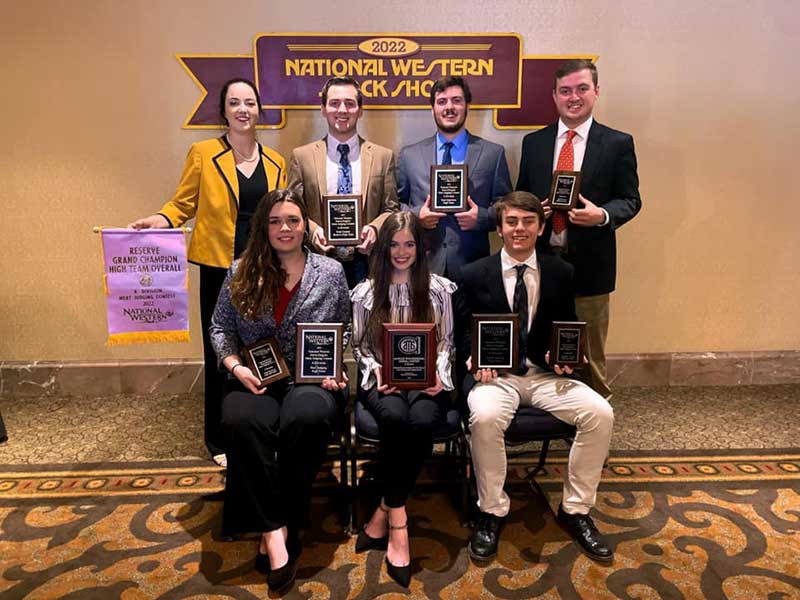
x,y
146,285
395,70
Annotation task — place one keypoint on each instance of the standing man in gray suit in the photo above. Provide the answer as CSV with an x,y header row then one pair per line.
x,y
453,240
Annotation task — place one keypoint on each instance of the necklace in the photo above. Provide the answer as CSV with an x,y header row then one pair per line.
x,y
240,155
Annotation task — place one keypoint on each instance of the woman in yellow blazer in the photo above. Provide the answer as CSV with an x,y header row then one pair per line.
x,y
222,182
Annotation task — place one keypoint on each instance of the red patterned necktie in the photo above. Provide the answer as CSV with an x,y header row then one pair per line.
x,y
566,162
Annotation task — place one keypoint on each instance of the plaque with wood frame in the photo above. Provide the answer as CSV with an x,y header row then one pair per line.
x,y
265,360
409,355
565,189
319,352
495,342
449,188
344,219
568,343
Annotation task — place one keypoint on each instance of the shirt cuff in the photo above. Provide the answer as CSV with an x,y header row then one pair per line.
x,y
606,220
367,365
444,370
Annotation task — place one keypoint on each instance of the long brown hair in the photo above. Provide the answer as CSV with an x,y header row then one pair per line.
x,y
380,273
255,285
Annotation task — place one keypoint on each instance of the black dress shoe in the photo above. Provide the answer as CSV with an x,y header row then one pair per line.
x,y
364,542
281,579
584,532
483,544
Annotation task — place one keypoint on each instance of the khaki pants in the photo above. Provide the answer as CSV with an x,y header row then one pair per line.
x,y
493,405
594,310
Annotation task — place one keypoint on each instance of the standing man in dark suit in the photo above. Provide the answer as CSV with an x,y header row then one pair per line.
x,y
453,240
609,198
345,163
538,288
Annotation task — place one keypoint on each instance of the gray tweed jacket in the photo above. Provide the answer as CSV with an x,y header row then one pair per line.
x,y
323,297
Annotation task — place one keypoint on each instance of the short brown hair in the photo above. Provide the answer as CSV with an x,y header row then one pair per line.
x,y
341,81
521,200
573,66
442,84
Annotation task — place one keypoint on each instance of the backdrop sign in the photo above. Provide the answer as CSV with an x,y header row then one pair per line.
x,y
146,283
395,70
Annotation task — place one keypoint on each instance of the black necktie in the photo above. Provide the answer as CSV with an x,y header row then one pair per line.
x,y
447,158
521,308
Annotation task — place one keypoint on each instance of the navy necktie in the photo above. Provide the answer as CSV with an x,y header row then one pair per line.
x,y
344,183
447,157
521,308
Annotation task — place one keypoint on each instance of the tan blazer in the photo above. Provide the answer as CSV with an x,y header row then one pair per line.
x,y
308,176
209,190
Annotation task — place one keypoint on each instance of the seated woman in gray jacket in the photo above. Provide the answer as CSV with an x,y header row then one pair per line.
x,y
276,436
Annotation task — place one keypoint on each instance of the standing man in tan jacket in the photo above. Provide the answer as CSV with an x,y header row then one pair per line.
x,y
345,163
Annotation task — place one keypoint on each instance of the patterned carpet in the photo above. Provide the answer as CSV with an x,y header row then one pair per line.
x,y
716,524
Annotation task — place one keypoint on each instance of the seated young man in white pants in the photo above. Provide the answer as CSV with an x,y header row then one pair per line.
x,y
539,289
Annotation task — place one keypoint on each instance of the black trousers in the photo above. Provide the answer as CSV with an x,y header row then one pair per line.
x,y
3,434
275,444
406,422
211,280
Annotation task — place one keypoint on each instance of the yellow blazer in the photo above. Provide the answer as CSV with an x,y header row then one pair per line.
x,y
308,176
209,191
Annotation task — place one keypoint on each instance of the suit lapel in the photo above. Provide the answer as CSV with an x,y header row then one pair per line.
x,y
545,159
366,157
320,166
594,148
474,148
226,165
494,281
307,283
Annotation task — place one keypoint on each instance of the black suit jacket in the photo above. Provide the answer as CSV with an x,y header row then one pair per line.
x,y
481,290
608,179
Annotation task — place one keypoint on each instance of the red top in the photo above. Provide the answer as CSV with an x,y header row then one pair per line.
x,y
284,297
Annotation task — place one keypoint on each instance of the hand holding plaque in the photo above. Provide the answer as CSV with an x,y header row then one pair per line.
x,y
265,360
568,343
449,188
344,218
565,189
319,352
409,355
495,342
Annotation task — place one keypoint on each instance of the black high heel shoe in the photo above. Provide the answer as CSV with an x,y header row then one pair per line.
x,y
293,546
364,542
402,575
281,579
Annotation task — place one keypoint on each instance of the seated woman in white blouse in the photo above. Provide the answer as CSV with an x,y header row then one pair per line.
x,y
400,289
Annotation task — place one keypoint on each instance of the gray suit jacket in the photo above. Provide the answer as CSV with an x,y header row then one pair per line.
x,y
448,247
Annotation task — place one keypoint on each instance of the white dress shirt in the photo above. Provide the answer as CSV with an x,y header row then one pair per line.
x,y
332,169
531,278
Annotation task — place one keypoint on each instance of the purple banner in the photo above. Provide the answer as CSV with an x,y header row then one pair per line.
x,y
146,285
395,70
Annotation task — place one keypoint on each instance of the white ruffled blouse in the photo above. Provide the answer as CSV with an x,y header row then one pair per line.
x,y
368,358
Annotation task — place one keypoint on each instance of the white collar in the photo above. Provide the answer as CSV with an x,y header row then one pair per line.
x,y
582,130
507,262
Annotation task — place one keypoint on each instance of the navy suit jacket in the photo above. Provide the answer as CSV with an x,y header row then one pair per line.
x,y
481,290
448,247
608,179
